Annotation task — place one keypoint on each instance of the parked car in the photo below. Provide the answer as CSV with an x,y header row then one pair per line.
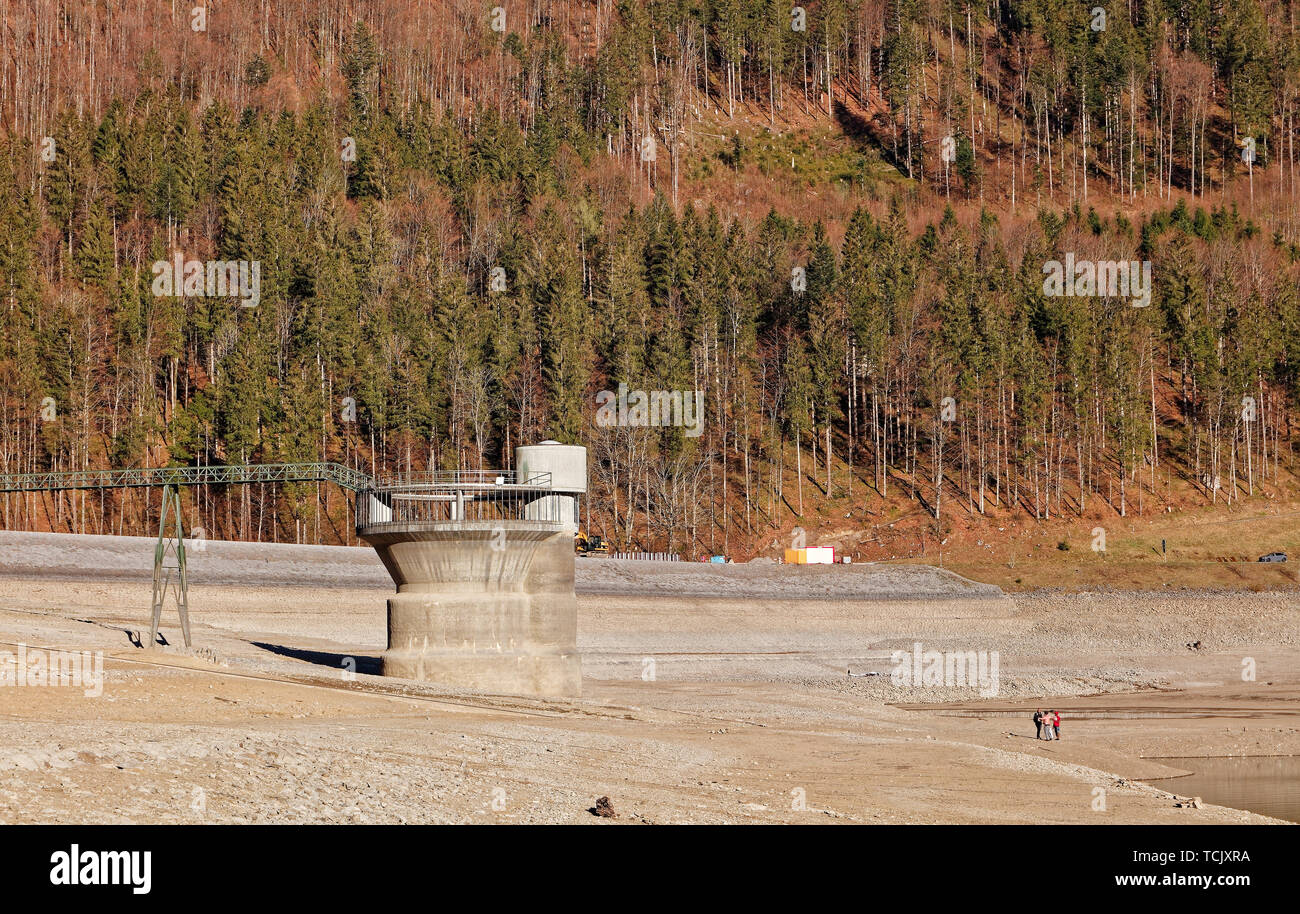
x,y
1273,557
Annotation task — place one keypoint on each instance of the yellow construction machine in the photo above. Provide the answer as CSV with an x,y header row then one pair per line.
x,y
590,545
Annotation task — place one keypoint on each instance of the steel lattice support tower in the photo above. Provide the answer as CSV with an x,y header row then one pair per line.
x,y
169,572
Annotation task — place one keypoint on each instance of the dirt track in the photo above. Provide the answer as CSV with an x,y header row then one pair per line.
x,y
703,706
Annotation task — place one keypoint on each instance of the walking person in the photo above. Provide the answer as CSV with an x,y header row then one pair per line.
x,y
1038,723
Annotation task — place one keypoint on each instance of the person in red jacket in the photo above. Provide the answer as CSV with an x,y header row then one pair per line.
x,y
1056,724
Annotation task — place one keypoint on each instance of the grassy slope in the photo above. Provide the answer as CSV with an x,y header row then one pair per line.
x,y
1205,546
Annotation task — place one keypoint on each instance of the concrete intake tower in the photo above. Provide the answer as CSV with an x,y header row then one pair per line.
x,y
483,563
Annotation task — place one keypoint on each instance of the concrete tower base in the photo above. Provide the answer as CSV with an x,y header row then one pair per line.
x,y
483,606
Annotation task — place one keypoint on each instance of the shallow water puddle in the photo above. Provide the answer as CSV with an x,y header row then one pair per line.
x,y
1269,785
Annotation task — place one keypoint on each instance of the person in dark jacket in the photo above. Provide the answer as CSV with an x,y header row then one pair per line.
x,y
1038,723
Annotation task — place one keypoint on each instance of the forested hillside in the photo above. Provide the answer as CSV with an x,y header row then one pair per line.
x,y
469,218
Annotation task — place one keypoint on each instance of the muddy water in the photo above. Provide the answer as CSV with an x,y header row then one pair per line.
x,y
1268,785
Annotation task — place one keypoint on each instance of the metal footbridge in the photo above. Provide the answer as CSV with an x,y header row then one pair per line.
x,y
379,500
169,566
171,477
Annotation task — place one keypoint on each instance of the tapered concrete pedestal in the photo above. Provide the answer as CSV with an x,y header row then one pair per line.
x,y
487,606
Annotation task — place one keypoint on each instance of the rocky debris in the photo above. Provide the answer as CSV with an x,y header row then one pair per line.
x,y
604,809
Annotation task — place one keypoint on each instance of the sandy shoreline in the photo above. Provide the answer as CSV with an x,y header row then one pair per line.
x,y
696,708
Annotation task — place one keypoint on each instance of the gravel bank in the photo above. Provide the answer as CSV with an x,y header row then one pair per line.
x,y
61,556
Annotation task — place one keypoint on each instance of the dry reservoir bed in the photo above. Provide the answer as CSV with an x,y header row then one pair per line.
x,y
711,694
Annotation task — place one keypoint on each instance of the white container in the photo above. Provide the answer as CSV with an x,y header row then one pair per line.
x,y
567,464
